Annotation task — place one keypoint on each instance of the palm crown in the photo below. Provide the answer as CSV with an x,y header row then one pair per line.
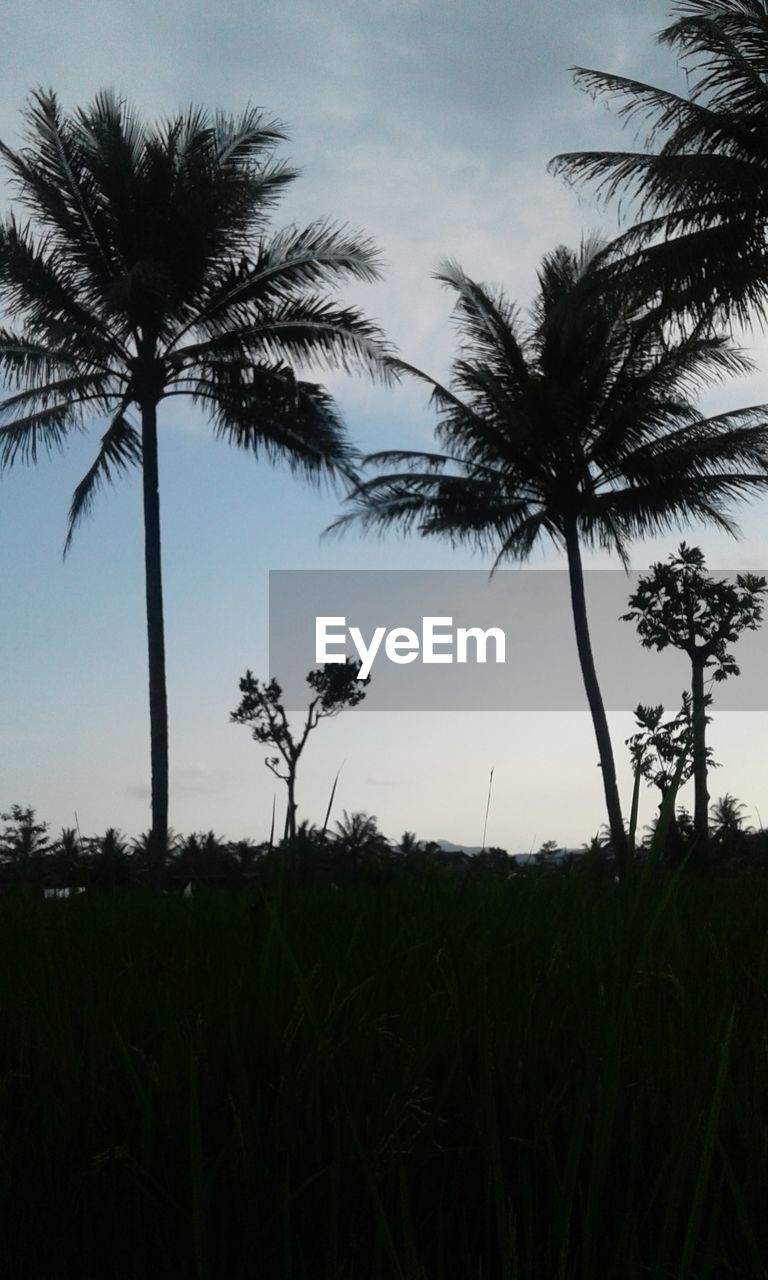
x,y
701,181
147,273
582,418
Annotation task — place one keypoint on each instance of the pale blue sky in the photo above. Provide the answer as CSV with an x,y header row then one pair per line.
x,y
427,123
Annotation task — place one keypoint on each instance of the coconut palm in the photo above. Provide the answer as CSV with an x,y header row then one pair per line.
x,y
729,818
358,836
703,198
578,428
145,271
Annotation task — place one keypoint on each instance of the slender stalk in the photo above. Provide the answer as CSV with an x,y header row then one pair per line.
x,y
330,802
272,828
595,698
487,807
698,713
158,698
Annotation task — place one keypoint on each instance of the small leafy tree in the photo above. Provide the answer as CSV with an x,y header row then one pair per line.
x,y
335,685
678,604
661,751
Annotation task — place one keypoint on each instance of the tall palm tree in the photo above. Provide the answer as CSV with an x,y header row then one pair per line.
x,y
701,238
145,271
579,428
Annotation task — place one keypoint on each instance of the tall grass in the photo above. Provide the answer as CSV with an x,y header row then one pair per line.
x,y
544,1079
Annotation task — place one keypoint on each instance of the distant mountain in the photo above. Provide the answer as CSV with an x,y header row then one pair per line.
x,y
447,846
558,855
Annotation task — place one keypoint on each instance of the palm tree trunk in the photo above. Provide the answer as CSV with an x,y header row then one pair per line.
x,y
699,717
158,699
595,699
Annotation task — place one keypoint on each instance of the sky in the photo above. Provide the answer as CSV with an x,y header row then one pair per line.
x,y
428,125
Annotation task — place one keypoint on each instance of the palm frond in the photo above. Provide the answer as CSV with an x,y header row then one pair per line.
x,y
45,428
312,331
488,324
25,362
271,413
666,505
601,427
665,110
702,200
49,296
119,450
286,266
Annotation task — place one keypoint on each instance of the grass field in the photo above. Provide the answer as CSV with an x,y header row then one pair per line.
x,y
546,1077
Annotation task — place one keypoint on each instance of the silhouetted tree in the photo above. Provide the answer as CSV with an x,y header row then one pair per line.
x,y
146,272
23,837
149,856
678,604
68,856
493,860
728,820
335,686
203,854
578,428
109,860
683,826
245,853
408,845
596,851
358,836
700,180
662,751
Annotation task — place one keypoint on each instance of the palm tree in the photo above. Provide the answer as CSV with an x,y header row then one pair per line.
x,y
409,845
146,271
729,818
358,836
703,198
578,428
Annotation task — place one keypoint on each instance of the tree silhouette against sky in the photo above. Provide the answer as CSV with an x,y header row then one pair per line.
x,y
679,605
145,271
335,686
576,426
700,240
